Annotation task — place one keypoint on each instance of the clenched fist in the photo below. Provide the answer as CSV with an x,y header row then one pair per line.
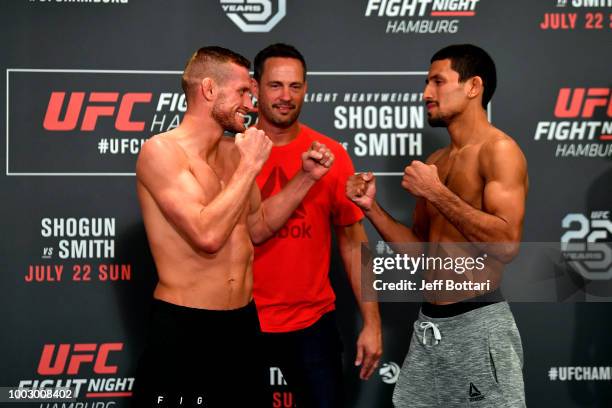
x,y
421,179
254,147
361,189
317,160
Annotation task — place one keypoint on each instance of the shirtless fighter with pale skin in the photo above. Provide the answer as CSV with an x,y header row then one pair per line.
x,y
202,212
472,191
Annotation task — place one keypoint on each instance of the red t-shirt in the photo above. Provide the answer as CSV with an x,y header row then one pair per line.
x,y
291,283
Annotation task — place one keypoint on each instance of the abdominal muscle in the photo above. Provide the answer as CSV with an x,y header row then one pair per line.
x,y
444,236
191,278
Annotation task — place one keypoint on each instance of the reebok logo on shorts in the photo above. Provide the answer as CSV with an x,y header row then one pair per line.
x,y
475,394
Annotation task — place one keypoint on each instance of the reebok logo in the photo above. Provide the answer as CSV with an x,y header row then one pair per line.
x,y
279,178
301,230
475,394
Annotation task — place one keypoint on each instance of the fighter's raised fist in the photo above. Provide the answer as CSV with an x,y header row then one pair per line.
x,y
361,189
317,160
420,179
254,147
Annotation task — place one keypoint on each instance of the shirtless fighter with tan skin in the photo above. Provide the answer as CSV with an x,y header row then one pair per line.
x,y
202,212
473,191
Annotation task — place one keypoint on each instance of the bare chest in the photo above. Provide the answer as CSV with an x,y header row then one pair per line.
x,y
212,178
460,173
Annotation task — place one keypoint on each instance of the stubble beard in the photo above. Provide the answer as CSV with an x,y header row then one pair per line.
x,y
282,122
226,119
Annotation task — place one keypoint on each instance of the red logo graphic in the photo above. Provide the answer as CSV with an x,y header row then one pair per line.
x,y
80,353
278,177
109,100
582,102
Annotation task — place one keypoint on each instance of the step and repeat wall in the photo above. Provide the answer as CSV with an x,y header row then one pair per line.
x,y
87,82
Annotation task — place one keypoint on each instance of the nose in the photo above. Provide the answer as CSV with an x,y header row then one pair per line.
x,y
285,94
427,93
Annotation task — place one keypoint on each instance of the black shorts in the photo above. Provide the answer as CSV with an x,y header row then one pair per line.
x,y
200,358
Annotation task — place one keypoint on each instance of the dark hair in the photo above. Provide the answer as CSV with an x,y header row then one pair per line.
x,y
276,50
205,63
470,61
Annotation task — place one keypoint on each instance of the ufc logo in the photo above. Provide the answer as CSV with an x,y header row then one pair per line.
x,y
582,102
76,355
105,104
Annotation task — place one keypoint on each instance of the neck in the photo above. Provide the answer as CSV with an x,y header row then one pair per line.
x,y
279,136
466,127
200,134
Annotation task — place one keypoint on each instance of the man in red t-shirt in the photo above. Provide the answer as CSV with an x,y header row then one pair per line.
x,y
291,286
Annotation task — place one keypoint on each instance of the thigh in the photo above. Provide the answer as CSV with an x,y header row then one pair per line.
x,y
415,386
506,354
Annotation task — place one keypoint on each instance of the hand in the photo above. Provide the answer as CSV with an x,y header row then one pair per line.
x,y
421,179
361,189
254,147
317,160
369,350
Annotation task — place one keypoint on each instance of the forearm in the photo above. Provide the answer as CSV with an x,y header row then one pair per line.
x,y
477,226
474,224
368,308
389,229
350,251
219,217
277,209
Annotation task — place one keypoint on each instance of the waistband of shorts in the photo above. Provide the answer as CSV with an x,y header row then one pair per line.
x,y
160,306
467,305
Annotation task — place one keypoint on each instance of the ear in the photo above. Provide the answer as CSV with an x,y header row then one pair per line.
x,y
254,88
208,88
475,87
305,86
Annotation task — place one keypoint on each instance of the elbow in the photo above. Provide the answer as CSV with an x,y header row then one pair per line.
x,y
258,239
209,243
506,251
260,231
260,236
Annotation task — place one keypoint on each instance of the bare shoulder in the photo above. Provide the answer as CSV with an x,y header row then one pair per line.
x,y
501,151
500,144
436,155
158,155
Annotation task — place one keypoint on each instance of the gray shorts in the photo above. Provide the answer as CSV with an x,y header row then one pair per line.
x,y
474,359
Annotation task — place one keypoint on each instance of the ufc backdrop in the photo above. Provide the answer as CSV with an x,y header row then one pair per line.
x,y
86,82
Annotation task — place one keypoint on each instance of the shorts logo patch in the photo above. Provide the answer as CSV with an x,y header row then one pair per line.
x,y
475,394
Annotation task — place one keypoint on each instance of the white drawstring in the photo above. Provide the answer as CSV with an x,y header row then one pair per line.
x,y
429,325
